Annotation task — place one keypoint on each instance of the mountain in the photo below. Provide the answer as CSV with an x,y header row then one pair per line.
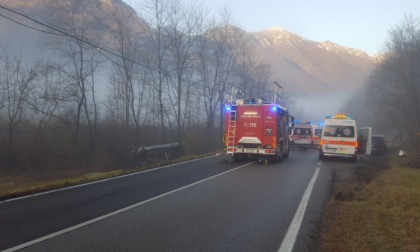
x,y
41,8
20,20
307,70
306,67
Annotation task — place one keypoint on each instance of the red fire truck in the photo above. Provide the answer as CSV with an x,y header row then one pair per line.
x,y
257,128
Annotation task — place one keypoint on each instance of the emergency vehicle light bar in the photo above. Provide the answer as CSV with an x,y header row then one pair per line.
x,y
340,116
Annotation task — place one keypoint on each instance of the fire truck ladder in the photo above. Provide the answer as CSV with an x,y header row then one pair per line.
x,y
230,148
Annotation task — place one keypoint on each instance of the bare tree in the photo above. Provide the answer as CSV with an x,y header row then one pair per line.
x,y
395,85
78,61
2,88
18,79
185,25
43,100
156,13
253,76
125,78
220,47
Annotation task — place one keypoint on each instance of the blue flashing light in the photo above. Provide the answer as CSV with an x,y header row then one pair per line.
x,y
274,108
228,108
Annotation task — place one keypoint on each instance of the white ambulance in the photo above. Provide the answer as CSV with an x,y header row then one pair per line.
x,y
302,135
339,137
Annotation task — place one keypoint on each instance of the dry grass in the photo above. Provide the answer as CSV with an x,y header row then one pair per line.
x,y
27,183
382,214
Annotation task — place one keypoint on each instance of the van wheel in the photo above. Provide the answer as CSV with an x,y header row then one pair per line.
x,y
286,149
286,154
280,154
321,155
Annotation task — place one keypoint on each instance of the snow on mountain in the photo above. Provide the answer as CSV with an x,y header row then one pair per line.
x,y
278,36
330,46
301,65
306,66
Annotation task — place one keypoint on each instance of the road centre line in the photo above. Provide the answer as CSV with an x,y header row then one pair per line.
x,y
47,237
290,238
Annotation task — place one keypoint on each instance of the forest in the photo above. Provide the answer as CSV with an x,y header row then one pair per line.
x,y
103,86
108,79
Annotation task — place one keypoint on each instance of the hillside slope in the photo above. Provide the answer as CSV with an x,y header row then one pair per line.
x,y
306,67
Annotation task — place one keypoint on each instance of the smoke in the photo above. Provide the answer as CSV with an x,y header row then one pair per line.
x,y
316,107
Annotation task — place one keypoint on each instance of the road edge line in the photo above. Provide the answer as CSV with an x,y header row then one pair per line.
x,y
86,223
292,232
100,181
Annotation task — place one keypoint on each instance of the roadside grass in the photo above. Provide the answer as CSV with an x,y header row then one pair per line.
x,y
30,182
378,209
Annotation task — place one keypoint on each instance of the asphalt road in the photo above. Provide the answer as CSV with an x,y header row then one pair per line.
x,y
203,205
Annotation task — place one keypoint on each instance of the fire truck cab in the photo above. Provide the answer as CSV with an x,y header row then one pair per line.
x,y
256,128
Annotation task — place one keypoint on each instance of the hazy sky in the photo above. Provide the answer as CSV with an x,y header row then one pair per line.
x,y
361,24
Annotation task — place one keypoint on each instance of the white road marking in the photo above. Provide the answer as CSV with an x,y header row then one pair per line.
x,y
100,181
30,243
290,238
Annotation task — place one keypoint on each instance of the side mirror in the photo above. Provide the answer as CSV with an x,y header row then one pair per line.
x,y
292,121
